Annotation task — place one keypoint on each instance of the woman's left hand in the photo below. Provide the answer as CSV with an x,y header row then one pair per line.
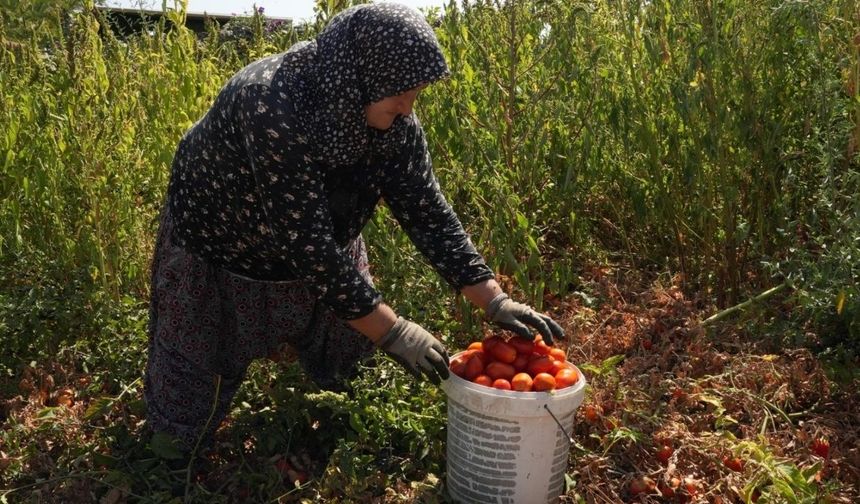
x,y
516,317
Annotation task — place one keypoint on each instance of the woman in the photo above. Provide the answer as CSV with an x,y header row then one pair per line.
x,y
260,238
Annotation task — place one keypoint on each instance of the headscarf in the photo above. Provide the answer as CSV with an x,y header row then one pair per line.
x,y
366,53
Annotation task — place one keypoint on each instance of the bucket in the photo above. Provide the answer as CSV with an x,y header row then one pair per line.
x,y
505,447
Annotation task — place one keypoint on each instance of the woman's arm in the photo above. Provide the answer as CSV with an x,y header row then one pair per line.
x,y
482,293
412,193
375,324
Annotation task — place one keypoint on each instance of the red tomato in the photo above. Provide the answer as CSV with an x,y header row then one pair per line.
x,y
504,352
476,345
591,414
521,362
568,365
484,356
522,382
474,367
557,354
539,364
458,364
458,367
543,382
692,486
664,453
734,463
566,377
502,384
821,447
556,367
667,491
483,380
542,348
642,485
490,342
522,345
498,370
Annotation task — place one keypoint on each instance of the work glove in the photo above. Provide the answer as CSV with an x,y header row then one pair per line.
x,y
514,316
417,350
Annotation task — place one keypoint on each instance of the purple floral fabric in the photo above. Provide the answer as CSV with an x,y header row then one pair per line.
x,y
207,322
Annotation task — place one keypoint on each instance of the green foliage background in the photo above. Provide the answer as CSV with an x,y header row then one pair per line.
x,y
715,139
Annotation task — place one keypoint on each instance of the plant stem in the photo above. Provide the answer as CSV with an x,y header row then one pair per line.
x,y
720,316
202,434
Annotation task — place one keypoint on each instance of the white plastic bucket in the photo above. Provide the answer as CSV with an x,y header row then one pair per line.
x,y
505,447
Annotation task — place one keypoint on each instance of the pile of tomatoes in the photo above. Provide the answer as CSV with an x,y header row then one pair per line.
x,y
515,364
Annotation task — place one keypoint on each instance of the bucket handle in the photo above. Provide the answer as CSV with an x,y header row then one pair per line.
x,y
568,436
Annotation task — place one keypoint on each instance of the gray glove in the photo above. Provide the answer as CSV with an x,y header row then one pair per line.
x,y
417,350
514,316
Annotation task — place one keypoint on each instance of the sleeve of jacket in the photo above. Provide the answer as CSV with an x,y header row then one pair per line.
x,y
291,187
413,194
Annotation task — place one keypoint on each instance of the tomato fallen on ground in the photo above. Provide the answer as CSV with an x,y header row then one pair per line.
x,y
734,463
664,453
821,447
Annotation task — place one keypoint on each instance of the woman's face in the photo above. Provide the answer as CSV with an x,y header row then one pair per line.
x,y
381,114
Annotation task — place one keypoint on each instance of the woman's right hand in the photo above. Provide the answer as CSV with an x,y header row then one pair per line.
x,y
416,350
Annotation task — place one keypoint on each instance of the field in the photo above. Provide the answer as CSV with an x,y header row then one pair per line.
x,y
676,182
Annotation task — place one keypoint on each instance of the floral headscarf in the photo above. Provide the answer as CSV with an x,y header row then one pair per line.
x,y
366,53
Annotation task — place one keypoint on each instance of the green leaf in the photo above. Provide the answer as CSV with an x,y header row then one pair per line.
x,y
165,446
105,460
98,407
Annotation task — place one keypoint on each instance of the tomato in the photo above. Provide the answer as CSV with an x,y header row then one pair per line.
x,y
679,394
483,380
566,377
474,367
543,382
504,352
539,364
484,356
642,485
821,447
458,367
522,345
668,489
476,345
502,384
498,370
556,367
591,414
664,453
542,348
522,382
490,342
734,463
557,354
521,362
692,486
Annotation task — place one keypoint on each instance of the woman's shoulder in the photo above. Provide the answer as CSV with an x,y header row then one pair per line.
x,y
261,72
